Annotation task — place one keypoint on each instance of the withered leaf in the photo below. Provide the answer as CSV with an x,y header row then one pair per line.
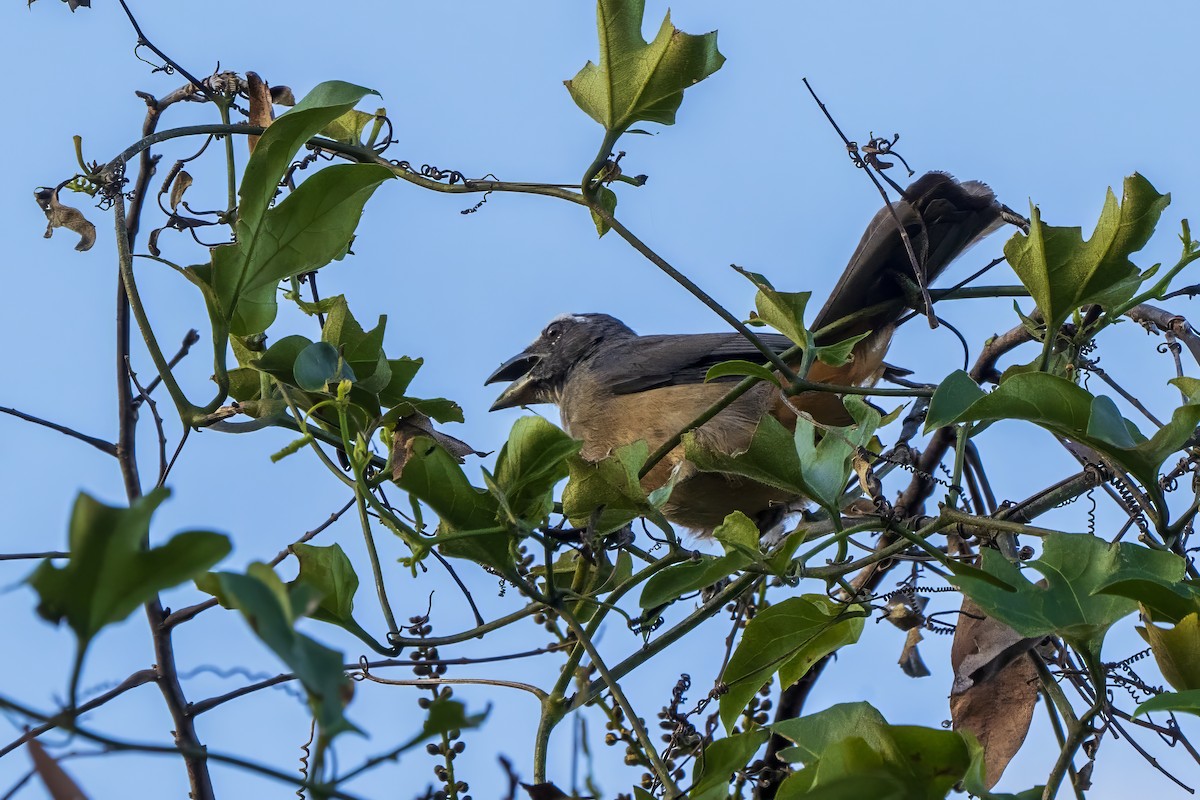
x,y
60,216
180,185
409,428
260,104
59,785
995,687
910,657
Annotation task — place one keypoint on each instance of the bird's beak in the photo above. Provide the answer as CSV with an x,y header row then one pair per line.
x,y
521,391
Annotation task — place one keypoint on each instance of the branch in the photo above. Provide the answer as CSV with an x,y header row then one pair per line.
x,y
108,448
139,678
189,752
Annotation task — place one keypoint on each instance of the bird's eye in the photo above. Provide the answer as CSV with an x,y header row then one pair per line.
x,y
553,332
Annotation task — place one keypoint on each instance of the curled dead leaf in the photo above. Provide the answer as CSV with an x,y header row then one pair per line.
x,y
60,216
180,185
260,104
910,657
414,425
995,686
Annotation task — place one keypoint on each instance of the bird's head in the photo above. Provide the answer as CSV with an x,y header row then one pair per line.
x,y
538,374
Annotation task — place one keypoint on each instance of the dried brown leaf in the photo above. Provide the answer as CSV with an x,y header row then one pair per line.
x,y
414,425
910,657
260,104
995,686
180,185
59,785
60,216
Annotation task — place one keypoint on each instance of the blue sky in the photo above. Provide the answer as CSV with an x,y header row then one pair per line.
x,y
1049,102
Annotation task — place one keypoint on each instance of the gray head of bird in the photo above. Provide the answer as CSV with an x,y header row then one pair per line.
x,y
538,373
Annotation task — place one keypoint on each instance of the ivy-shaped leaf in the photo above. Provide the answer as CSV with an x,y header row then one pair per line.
x,y
640,81
1060,406
111,572
798,462
1071,604
850,751
737,534
1063,272
310,228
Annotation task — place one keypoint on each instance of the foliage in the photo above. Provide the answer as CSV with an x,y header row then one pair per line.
x,y
561,530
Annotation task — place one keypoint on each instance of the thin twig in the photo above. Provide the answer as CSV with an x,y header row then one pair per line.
x,y
139,678
31,556
108,448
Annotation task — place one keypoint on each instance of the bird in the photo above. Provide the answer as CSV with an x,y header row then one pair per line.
x,y
614,387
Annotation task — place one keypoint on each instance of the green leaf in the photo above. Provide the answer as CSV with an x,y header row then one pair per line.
x,y
1071,604
718,762
1187,702
435,477
789,637
282,140
740,538
783,311
636,81
1163,600
795,462
530,464
1177,651
329,571
271,611
850,751
953,397
318,365
770,459
402,371
739,368
111,572
611,484
607,199
737,533
840,353
237,288
1060,406
349,127
1063,272
279,360
312,226
675,581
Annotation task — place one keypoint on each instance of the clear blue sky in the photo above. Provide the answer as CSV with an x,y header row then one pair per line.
x,y
1049,101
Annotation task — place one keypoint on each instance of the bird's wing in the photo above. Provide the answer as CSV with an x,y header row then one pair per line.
x,y
651,362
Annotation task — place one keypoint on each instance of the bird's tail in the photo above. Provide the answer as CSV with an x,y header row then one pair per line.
x,y
942,218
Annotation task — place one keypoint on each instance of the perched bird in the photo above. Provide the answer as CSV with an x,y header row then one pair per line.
x,y
614,387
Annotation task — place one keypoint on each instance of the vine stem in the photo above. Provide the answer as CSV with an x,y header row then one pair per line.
x,y
185,408
631,716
